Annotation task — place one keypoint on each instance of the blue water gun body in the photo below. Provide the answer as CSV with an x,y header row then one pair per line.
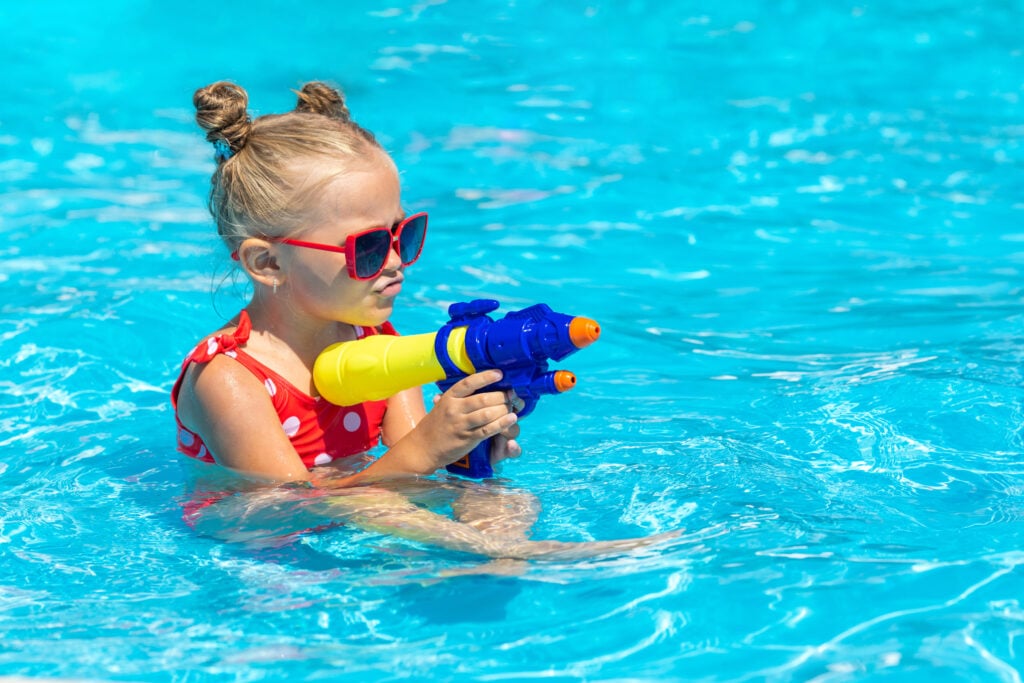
x,y
520,345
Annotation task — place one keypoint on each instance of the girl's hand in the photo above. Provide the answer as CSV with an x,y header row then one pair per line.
x,y
504,445
462,418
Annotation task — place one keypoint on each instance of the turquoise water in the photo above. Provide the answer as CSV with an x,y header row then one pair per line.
x,y
799,224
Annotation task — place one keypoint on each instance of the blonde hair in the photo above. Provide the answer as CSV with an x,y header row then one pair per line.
x,y
262,187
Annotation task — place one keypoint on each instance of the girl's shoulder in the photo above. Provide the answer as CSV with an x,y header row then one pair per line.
x,y
227,339
204,355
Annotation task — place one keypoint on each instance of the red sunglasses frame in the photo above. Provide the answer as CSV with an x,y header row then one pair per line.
x,y
349,248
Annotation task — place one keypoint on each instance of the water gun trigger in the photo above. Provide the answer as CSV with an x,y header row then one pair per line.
x,y
529,403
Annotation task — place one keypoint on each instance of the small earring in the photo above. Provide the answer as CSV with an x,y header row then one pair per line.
x,y
275,285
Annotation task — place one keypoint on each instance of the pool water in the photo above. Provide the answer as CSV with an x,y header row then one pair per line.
x,y
799,224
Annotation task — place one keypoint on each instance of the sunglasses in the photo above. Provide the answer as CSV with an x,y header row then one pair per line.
x,y
366,253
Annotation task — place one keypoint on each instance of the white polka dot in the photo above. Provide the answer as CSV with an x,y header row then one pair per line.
x,y
186,437
271,387
202,452
352,421
231,354
211,345
322,459
291,426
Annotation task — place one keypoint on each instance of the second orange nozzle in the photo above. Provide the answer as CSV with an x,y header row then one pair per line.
x,y
564,380
583,331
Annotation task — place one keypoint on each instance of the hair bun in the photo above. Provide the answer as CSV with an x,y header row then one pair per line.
x,y
318,97
222,111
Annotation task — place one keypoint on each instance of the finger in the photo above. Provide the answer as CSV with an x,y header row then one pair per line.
x,y
491,421
474,383
502,449
511,448
512,432
483,401
499,446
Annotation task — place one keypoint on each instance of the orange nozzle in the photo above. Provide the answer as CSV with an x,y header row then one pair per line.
x,y
564,380
583,332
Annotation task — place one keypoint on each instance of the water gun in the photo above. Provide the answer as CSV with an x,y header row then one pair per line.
x,y
519,344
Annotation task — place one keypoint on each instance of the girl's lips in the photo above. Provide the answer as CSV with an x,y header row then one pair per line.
x,y
390,289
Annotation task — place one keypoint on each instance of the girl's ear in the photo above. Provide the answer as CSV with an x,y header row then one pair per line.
x,y
260,261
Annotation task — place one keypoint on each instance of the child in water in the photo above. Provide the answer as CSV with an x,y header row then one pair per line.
x,y
309,206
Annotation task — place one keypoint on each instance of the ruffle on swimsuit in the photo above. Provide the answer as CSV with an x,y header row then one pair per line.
x,y
320,431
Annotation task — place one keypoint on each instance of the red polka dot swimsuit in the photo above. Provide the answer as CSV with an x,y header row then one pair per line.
x,y
320,431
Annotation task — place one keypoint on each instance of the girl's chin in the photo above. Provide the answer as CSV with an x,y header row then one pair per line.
x,y
371,316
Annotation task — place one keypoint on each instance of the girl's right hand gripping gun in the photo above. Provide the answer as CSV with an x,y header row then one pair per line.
x,y
520,345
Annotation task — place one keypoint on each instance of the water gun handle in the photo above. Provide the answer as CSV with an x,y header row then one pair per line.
x,y
476,464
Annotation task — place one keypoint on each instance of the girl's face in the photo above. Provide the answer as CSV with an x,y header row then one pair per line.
x,y
317,281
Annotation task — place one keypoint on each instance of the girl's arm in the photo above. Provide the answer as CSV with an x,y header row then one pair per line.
x,y
405,410
230,410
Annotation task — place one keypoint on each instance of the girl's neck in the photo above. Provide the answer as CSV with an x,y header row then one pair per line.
x,y
279,331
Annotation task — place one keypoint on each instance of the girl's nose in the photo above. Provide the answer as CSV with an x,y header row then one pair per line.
x,y
394,261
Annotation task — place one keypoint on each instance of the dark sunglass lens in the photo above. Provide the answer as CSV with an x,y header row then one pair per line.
x,y
372,252
410,243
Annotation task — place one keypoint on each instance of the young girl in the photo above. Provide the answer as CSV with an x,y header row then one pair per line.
x,y
308,204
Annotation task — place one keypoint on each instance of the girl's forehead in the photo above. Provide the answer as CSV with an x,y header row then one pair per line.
x,y
370,191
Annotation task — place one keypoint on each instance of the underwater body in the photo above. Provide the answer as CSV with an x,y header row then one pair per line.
x,y
797,223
